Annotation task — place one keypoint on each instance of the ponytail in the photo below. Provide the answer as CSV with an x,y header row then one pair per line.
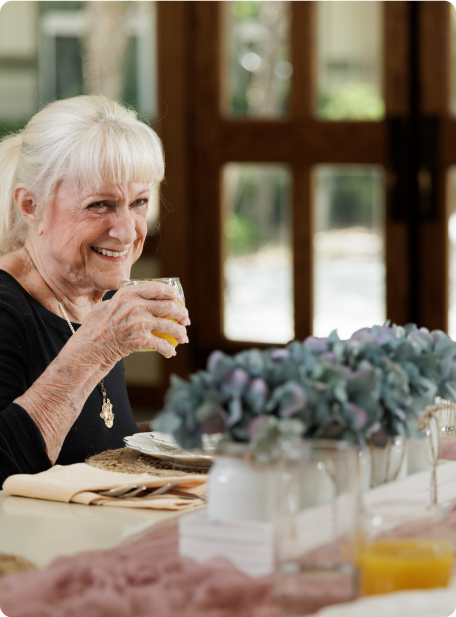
x,y
13,228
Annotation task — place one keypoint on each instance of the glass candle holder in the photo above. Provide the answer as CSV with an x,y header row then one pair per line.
x,y
318,497
404,545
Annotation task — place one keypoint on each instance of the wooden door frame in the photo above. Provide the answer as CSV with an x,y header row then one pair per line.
x,y
198,141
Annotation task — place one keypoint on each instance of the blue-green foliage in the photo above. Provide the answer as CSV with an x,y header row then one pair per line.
x,y
372,386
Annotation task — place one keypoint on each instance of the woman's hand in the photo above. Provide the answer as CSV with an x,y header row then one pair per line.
x,y
124,324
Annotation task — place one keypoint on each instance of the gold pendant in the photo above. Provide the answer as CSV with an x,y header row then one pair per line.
x,y
106,412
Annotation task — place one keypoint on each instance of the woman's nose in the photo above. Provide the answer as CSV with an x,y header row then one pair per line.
x,y
123,228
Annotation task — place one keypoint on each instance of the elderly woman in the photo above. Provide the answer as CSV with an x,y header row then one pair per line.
x,y
74,191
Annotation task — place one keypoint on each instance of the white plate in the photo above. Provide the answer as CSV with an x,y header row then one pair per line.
x,y
164,447
429,603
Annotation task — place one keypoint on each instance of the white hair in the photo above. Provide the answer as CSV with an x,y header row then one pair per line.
x,y
90,139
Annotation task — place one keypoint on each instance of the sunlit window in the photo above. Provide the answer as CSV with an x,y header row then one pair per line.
x,y
349,268
349,60
70,48
258,297
257,66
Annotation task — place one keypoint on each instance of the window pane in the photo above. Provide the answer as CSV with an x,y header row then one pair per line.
x,y
71,48
258,298
452,256
349,60
257,71
349,269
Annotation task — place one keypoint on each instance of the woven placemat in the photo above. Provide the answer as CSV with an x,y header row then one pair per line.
x,y
127,460
14,563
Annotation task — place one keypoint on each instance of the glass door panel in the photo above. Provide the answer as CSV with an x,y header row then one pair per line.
x,y
257,70
349,60
257,266
348,249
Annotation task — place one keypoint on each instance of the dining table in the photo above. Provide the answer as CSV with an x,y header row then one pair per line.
x,y
122,562
41,530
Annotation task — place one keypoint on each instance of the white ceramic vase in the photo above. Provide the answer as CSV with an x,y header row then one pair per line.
x,y
238,490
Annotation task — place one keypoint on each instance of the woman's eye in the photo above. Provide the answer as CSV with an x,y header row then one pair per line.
x,y
97,204
140,202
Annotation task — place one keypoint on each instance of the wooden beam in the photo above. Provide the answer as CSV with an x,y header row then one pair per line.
x,y
173,93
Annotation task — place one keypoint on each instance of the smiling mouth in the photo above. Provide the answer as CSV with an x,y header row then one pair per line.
x,y
109,253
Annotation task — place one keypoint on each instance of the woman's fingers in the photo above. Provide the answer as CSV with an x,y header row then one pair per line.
x,y
167,308
159,344
152,290
168,326
162,300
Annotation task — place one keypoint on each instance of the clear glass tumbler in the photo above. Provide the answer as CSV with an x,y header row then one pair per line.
x,y
174,282
318,505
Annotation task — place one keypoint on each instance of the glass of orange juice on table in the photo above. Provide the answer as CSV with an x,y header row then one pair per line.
x,y
405,545
174,282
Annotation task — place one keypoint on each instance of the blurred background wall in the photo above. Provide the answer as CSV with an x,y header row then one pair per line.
x,y
310,156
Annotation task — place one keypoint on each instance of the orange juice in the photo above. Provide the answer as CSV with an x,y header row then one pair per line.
x,y
171,340
393,565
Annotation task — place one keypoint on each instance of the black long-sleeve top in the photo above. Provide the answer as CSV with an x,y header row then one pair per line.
x,y
30,338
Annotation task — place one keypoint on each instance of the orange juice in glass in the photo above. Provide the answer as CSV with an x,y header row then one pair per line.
x,y
174,282
405,545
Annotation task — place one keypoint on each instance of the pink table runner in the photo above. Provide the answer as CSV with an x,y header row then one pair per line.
x,y
142,577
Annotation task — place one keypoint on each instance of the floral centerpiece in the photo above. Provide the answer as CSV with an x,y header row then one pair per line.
x,y
373,386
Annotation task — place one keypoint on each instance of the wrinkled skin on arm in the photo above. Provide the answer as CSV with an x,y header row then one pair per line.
x,y
111,331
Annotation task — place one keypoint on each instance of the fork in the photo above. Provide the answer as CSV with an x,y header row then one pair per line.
x,y
125,492
122,492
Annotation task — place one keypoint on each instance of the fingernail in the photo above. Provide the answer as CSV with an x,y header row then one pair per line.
x,y
186,339
180,298
174,353
189,323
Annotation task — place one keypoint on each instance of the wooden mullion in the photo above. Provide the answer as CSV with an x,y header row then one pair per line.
x,y
396,74
308,141
302,234
206,228
434,33
174,208
302,29
396,93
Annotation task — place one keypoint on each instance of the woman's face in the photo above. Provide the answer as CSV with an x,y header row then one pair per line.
x,y
93,236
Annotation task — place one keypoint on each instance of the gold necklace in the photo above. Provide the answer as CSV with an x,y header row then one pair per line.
x,y
106,409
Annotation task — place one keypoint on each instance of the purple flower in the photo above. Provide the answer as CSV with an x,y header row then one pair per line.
x,y
316,345
373,429
357,414
280,355
236,382
214,360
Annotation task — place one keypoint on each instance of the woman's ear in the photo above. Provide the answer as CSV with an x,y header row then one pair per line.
x,y
26,203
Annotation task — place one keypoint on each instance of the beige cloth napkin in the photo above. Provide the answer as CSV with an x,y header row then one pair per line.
x,y
78,483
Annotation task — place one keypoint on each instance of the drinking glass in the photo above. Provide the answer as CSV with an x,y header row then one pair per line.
x,y
174,282
318,497
404,545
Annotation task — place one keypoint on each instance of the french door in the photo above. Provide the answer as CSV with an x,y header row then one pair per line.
x,y
309,151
